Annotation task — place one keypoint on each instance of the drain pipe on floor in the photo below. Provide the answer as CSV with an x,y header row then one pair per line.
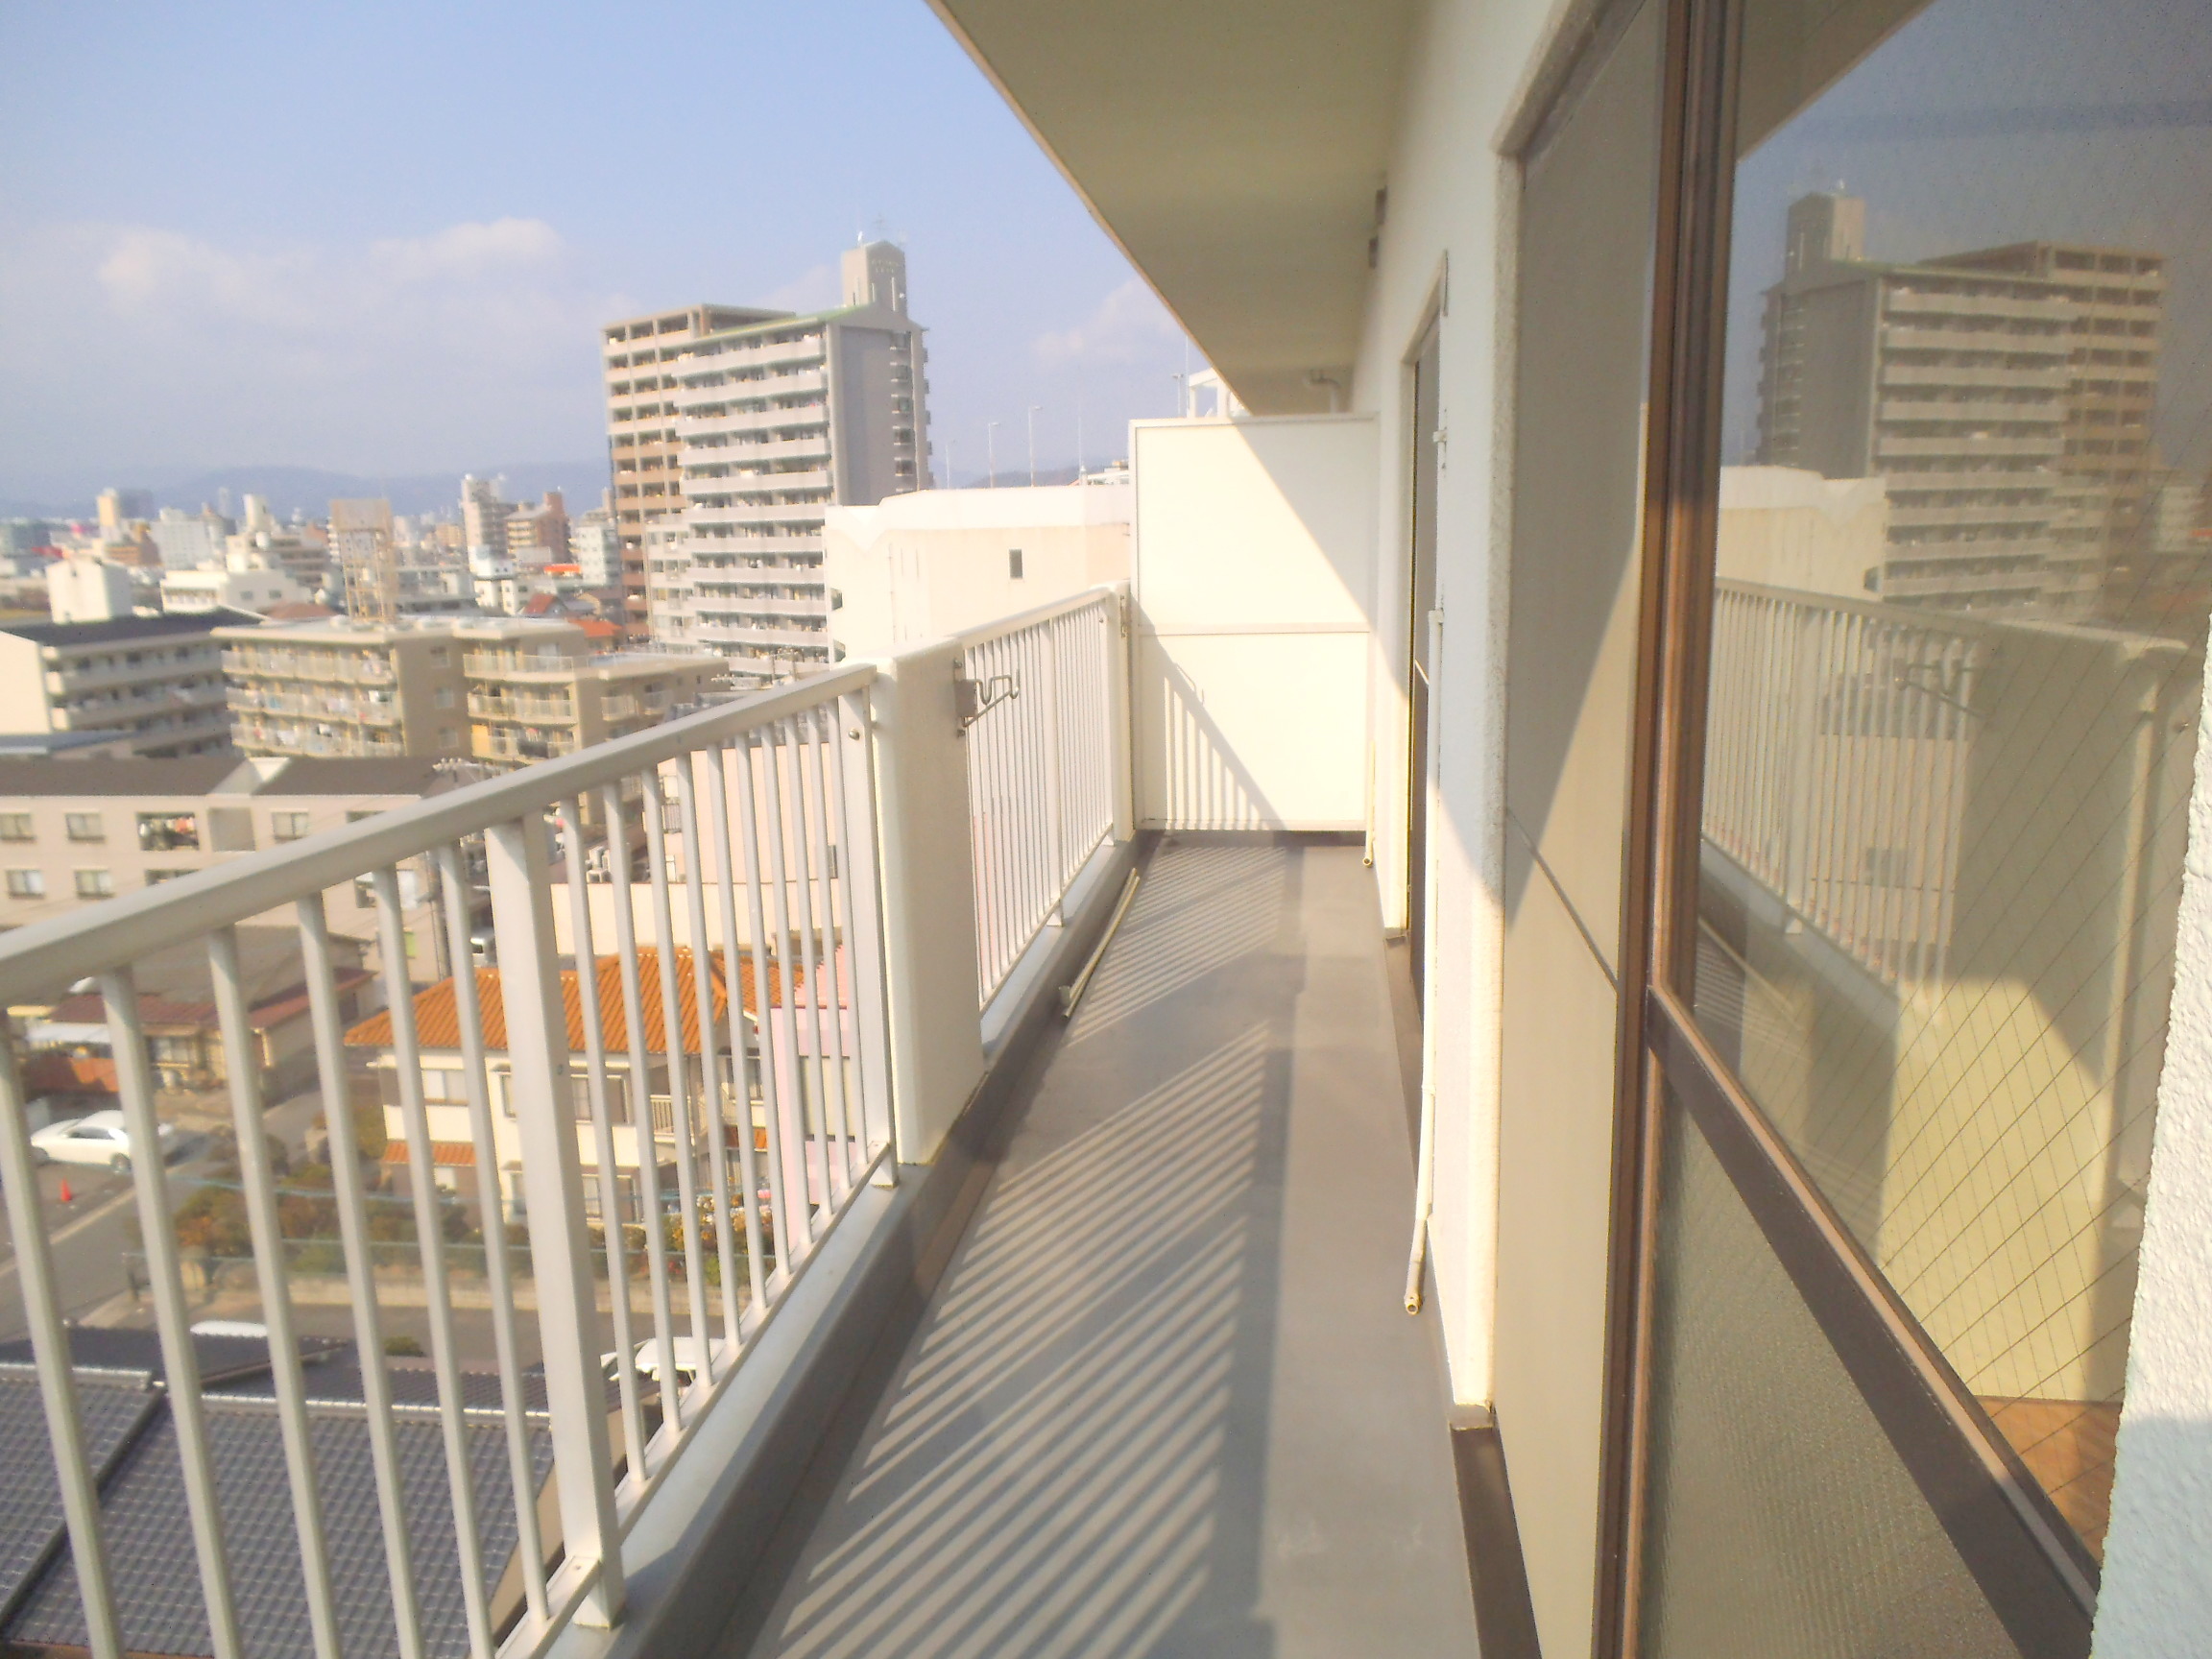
x,y
1425,1154
1070,995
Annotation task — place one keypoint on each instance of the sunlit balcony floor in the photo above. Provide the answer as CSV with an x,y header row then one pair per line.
x,y
1164,1398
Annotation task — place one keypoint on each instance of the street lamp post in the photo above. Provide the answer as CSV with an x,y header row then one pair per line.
x,y
1032,418
991,452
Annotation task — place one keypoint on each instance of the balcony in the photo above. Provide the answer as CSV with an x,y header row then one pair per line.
x,y
803,418
1127,1312
533,708
520,665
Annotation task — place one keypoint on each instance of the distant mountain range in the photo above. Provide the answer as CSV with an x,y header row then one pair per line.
x,y
311,488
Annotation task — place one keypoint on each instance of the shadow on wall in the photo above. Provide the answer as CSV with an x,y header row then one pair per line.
x,y
1200,784
1059,1464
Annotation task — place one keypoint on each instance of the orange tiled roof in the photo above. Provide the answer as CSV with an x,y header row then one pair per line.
x,y
438,1016
443,1154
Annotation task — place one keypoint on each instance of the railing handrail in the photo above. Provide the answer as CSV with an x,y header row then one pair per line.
x,y
46,956
2129,642
985,633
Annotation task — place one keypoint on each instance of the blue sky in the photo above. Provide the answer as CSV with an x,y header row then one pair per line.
x,y
379,238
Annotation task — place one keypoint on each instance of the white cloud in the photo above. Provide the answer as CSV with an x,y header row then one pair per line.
x,y
476,339
1130,323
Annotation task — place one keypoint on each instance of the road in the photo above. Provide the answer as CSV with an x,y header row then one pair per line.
x,y
88,1237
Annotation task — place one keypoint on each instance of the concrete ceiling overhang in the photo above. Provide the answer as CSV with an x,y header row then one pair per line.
x,y
1233,148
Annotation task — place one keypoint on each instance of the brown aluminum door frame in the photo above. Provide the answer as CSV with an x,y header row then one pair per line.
x,y
2039,1578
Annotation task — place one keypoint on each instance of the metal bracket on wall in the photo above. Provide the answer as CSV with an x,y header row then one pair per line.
x,y
975,698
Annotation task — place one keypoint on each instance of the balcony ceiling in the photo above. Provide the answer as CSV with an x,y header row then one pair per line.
x,y
1233,148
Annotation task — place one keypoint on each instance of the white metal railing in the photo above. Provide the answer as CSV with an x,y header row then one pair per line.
x,y
775,798
1836,771
1041,763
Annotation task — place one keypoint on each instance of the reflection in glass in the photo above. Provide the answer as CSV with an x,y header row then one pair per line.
x,y
1965,570
1783,1525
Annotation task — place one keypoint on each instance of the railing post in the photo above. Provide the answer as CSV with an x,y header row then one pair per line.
x,y
922,825
1120,653
1055,779
553,1194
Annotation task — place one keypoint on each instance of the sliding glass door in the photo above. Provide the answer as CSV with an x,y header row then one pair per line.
x,y
1939,564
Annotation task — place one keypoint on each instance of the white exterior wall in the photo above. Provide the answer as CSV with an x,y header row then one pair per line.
x,y
1448,250
2155,1602
934,561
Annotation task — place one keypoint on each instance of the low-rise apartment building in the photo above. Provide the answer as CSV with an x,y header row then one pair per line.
x,y
76,831
503,689
153,680
537,689
334,688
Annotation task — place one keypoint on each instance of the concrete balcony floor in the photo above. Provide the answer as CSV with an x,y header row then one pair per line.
x,y
1164,1398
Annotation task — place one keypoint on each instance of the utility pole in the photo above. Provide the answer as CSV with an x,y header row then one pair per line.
x,y
991,452
1033,408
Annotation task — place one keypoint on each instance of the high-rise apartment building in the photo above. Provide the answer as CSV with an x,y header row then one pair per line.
x,y
774,417
368,559
188,541
595,548
640,356
539,536
483,514
2002,395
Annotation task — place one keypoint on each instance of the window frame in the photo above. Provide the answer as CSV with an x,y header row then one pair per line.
x,y
2028,1561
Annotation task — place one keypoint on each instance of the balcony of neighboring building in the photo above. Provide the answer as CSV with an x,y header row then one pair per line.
x,y
800,417
736,395
798,519
522,709
811,446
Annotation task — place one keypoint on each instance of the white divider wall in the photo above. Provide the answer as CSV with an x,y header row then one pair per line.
x,y
1254,558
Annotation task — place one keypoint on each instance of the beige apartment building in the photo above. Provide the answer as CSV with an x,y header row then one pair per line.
x,y
76,831
728,456
506,690
153,684
334,688
2004,396
539,689
640,355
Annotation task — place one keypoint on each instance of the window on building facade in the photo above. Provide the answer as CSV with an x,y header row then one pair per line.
x,y
25,883
168,832
95,883
15,826
83,827
1014,564
289,827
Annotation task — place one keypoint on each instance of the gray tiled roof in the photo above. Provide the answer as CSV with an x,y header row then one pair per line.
x,y
31,1518
147,1524
149,1533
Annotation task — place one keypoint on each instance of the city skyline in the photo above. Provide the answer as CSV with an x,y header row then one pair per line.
x,y
189,303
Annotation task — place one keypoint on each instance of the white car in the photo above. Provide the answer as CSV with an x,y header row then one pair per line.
x,y
100,1138
648,1360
